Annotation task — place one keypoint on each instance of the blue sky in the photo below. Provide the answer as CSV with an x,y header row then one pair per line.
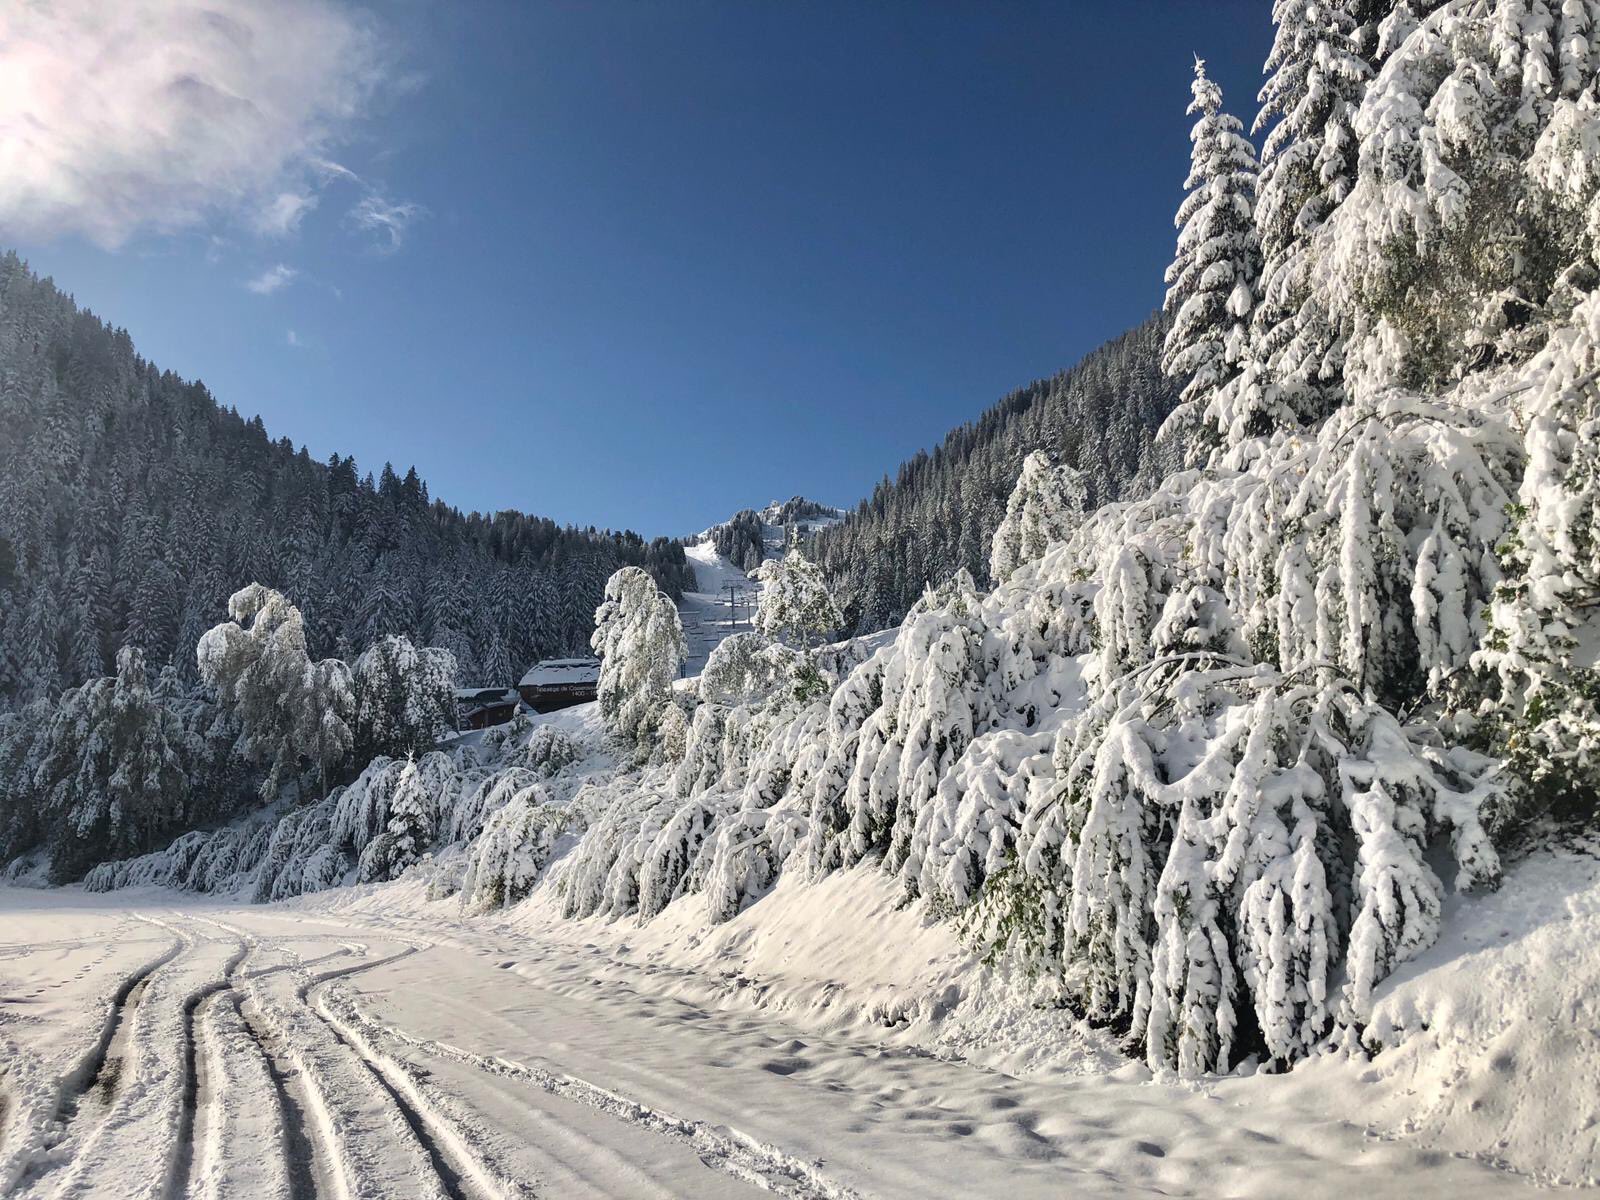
x,y
638,264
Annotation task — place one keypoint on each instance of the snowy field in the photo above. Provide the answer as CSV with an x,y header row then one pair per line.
x,y
367,1042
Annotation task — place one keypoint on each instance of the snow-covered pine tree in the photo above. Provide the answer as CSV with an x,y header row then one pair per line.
x,y
404,697
411,820
1045,507
22,743
288,708
796,606
38,663
639,638
1308,166
112,775
1215,271
496,669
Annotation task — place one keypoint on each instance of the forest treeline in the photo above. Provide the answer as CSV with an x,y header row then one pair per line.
x,y
132,504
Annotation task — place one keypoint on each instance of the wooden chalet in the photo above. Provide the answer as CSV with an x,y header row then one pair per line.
x,y
560,683
479,708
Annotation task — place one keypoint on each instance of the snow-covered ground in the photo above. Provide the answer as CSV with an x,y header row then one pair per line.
x,y
369,1042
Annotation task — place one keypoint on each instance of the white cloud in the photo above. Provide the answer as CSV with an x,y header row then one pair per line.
x,y
294,339
160,115
386,220
272,279
282,214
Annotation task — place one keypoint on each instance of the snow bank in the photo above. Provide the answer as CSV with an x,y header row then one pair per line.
x,y
1493,1034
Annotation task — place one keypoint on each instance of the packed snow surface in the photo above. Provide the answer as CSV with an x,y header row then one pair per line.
x,y
370,1042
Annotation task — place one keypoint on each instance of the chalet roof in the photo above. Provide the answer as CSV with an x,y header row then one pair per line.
x,y
562,672
496,695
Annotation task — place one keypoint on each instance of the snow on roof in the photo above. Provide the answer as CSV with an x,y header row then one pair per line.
x,y
557,671
484,695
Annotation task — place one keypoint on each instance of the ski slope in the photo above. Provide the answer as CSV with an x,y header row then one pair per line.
x,y
706,613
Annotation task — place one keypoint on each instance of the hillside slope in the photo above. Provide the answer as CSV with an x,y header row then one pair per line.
x,y
134,505
938,513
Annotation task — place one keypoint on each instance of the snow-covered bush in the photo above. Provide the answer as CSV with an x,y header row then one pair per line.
x,y
1221,835
1152,773
639,639
672,734
486,796
499,740
516,845
195,862
796,606
746,668
396,814
602,873
1540,653
545,749
1467,222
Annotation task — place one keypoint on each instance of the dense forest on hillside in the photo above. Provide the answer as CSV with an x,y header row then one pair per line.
x,y
132,505
939,513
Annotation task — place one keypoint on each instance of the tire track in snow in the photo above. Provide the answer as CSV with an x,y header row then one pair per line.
x,y
464,1169
195,1094
308,1141
40,1124
321,1103
722,1148
100,1076
101,1072
344,1118
305,1160
197,1157
726,1149
91,1097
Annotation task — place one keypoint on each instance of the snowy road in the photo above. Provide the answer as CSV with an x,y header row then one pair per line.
x,y
237,1054
191,1049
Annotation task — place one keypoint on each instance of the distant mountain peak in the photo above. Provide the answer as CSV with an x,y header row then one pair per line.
x,y
752,535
